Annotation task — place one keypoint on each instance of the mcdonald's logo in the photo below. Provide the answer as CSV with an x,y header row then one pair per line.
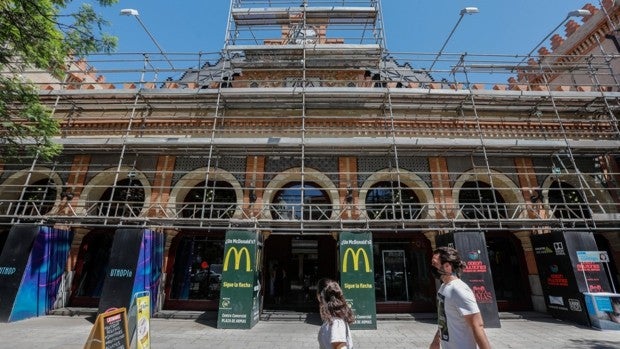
x,y
356,259
238,254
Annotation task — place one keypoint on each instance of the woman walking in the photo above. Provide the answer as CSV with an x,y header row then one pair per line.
x,y
336,315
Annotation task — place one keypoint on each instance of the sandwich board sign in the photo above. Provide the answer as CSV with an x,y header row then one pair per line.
x,y
109,331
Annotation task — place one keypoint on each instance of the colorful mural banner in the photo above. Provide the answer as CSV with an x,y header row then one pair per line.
x,y
31,269
239,301
357,277
150,264
135,266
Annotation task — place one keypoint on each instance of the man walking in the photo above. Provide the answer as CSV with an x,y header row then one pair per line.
x,y
459,319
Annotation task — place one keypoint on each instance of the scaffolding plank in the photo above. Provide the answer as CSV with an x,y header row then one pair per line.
x,y
313,15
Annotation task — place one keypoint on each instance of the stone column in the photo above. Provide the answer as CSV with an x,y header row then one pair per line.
x,y
162,185
255,183
347,188
538,300
442,190
530,189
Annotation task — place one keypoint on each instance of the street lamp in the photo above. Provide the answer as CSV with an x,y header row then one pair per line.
x,y
136,15
575,13
465,11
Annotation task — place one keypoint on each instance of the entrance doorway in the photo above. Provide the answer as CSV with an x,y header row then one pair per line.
x,y
195,271
395,276
509,272
402,279
293,265
90,269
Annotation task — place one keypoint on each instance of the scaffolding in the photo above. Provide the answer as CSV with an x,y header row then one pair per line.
x,y
305,97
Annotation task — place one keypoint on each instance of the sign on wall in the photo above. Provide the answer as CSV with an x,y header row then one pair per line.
x,y
357,277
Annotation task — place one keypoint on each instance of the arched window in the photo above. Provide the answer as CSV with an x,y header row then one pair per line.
x,y
566,202
385,200
216,199
125,199
38,199
295,202
477,200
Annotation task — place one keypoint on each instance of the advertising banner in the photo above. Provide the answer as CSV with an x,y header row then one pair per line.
x,y
239,301
31,269
603,310
357,277
150,263
563,277
143,319
13,261
477,272
136,260
591,276
109,331
119,281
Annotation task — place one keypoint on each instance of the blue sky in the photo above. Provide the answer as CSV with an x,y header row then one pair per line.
x,y
184,28
502,26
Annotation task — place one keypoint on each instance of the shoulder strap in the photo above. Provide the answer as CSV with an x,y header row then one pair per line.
x,y
348,336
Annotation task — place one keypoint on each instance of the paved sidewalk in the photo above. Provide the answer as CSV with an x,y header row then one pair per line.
x,y
527,331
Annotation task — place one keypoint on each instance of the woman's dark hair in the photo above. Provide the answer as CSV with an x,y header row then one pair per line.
x,y
450,255
332,303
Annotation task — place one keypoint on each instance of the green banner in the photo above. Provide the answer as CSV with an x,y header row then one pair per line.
x,y
239,302
357,277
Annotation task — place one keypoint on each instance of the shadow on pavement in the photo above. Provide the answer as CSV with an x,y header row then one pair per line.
x,y
594,344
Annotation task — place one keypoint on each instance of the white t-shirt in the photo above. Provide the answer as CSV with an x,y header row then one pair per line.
x,y
334,333
454,300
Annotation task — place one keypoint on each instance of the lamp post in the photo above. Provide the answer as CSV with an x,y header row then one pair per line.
x,y
136,15
465,11
575,13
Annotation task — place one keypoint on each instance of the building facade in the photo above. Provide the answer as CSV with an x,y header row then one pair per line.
x,y
305,127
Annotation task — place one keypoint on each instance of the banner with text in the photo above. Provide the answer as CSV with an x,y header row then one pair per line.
x,y
121,273
31,269
357,277
563,277
239,301
477,272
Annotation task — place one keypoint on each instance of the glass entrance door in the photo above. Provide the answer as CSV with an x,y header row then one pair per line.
x,y
395,287
292,266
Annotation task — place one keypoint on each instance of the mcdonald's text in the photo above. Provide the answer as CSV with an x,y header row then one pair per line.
x,y
355,242
241,241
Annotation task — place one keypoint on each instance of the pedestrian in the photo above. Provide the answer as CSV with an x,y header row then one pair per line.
x,y
460,323
336,315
